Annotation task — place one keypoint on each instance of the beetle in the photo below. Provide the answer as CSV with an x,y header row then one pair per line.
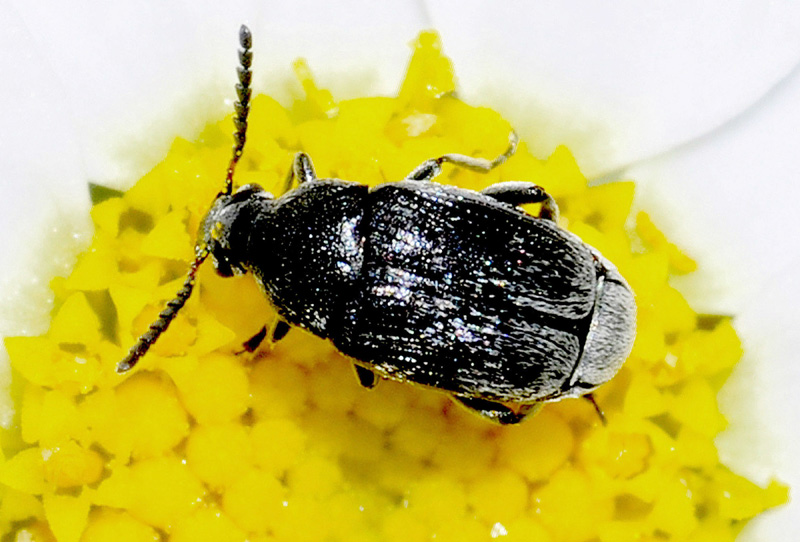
x,y
453,289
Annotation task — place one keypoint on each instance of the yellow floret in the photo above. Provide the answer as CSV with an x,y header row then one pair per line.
x,y
643,399
34,358
50,416
620,454
277,389
95,270
537,448
207,525
129,302
741,499
711,352
418,434
169,239
216,390
66,515
680,262
162,491
16,506
695,406
437,499
464,449
563,174
75,322
526,530
218,454
24,472
70,465
143,417
400,525
569,507
277,444
498,496
674,511
106,216
315,475
106,525
254,501
429,76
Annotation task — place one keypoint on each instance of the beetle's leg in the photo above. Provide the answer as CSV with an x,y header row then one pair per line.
x,y
279,330
366,378
521,193
498,412
251,344
302,169
429,169
590,397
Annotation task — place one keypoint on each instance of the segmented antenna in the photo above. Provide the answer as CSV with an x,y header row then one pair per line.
x,y
165,317
242,106
169,313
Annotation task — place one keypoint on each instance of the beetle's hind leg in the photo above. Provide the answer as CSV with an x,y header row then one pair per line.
x,y
521,193
429,169
498,412
302,169
590,397
276,332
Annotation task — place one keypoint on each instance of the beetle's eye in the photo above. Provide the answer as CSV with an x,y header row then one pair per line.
x,y
223,266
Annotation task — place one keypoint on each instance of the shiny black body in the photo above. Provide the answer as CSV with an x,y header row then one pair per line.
x,y
427,283
458,290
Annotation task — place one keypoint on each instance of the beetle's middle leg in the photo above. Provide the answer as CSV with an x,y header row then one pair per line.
x,y
302,169
521,193
429,169
366,378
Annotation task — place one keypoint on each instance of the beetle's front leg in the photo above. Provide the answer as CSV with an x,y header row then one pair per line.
x,y
498,412
429,169
279,329
521,193
302,169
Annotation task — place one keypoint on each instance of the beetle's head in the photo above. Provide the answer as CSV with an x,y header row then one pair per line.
x,y
611,334
223,226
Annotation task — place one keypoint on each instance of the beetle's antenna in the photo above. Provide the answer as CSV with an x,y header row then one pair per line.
x,y
165,317
242,106
202,251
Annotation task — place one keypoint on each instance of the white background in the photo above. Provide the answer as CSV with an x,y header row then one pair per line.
x,y
699,104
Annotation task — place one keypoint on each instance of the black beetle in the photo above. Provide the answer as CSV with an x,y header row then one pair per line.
x,y
458,290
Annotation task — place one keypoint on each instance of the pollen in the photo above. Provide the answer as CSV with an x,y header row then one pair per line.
x,y
202,441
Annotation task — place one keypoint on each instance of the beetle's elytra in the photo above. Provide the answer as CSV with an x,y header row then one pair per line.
x,y
457,290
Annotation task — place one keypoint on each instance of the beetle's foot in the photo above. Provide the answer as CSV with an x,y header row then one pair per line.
x,y
366,378
590,397
279,331
252,344
498,412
